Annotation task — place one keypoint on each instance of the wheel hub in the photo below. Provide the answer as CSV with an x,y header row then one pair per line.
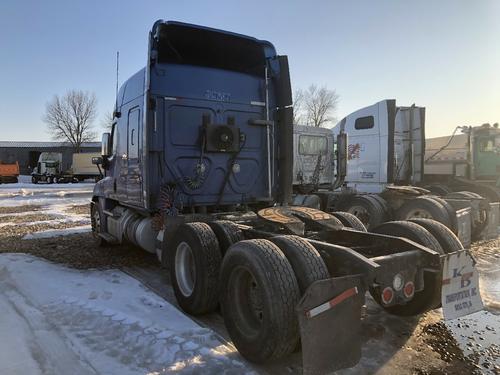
x,y
361,213
185,269
419,213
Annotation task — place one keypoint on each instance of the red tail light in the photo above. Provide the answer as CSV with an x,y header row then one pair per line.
x,y
387,295
409,289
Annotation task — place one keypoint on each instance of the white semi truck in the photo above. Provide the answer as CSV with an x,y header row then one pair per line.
x,y
48,168
385,172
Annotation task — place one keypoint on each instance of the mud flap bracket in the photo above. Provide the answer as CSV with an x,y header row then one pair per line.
x,y
329,316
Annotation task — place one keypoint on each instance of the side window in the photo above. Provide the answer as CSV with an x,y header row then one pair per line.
x,y
312,145
364,123
133,133
486,145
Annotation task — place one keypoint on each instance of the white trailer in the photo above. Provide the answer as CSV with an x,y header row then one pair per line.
x,y
82,167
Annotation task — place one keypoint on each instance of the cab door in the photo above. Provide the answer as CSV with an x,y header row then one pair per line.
x,y
134,175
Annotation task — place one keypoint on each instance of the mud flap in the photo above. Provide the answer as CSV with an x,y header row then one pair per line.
x,y
329,316
460,291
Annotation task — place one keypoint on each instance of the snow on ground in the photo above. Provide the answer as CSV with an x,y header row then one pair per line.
x,y
26,193
53,199
58,232
57,320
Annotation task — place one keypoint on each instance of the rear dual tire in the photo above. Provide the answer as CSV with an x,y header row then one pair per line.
x,y
262,283
258,299
258,283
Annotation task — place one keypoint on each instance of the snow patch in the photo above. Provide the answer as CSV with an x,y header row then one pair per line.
x,y
58,232
101,326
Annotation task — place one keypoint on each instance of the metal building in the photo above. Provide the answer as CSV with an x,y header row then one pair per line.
x,y
27,153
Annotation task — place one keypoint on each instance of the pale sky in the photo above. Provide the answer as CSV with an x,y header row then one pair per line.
x,y
444,55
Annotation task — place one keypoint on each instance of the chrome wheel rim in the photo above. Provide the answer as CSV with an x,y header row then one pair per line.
x,y
418,213
185,269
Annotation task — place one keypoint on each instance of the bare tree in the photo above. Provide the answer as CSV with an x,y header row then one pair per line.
x,y
70,117
107,121
320,104
299,116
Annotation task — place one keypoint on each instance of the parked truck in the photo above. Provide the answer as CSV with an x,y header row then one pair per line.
x,y
82,167
48,168
469,160
9,172
385,174
198,169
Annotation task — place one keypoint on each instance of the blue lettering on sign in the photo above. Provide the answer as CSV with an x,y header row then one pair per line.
x,y
457,273
217,95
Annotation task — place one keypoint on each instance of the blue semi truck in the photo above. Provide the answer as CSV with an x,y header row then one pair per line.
x,y
198,169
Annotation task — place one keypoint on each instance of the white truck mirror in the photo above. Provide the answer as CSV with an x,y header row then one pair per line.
x,y
106,145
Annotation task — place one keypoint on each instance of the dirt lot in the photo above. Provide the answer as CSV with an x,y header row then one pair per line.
x,y
393,345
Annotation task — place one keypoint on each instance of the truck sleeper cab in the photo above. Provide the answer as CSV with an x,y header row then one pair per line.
x,y
198,169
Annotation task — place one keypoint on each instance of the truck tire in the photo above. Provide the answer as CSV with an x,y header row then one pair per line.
x,y
307,264
365,208
423,207
34,180
428,298
349,220
447,239
50,180
258,299
452,214
227,234
96,220
194,260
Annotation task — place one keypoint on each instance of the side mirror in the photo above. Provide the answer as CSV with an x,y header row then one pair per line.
x,y
97,160
341,160
342,154
106,145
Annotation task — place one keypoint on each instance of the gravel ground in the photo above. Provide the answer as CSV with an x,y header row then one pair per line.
x,y
427,347
11,210
83,209
79,251
27,218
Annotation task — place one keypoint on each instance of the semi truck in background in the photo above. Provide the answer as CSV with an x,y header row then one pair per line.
x,y
48,168
469,160
9,172
49,164
385,175
198,170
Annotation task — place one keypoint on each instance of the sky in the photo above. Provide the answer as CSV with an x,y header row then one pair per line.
x,y
443,55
